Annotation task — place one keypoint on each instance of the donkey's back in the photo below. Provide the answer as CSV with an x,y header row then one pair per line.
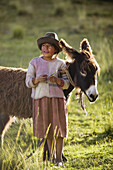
x,y
15,97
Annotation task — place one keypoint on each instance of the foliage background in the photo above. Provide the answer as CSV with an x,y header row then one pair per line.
x,y
90,141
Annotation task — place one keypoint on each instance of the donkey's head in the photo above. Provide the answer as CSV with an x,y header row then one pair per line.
x,y
83,68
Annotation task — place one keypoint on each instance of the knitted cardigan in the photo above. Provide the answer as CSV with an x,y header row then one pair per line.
x,y
38,66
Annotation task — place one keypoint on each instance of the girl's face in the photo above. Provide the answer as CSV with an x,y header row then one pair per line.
x,y
48,50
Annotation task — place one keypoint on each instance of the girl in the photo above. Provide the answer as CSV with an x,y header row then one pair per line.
x,y
49,108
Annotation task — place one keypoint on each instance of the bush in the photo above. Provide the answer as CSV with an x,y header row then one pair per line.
x,y
14,5
18,32
59,11
25,11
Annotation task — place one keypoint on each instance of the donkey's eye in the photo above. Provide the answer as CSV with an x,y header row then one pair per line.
x,y
83,73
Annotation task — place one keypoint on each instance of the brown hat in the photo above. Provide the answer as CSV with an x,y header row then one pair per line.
x,y
49,37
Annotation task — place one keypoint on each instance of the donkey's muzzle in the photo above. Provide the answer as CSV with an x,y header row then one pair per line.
x,y
92,93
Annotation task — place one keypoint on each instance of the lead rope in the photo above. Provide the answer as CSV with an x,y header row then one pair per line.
x,y
65,69
81,102
80,93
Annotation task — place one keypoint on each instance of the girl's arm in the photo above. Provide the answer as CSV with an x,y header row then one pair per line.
x,y
30,76
31,79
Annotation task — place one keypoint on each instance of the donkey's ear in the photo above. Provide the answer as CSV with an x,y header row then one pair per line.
x,y
71,52
63,44
85,46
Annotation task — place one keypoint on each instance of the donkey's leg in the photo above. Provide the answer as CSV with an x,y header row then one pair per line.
x,y
64,158
46,152
5,122
4,118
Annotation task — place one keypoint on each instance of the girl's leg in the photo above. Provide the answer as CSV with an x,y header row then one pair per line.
x,y
59,148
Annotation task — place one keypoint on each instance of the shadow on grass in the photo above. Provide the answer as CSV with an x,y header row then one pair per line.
x,y
94,138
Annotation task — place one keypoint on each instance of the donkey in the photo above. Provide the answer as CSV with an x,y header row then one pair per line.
x,y
83,69
15,97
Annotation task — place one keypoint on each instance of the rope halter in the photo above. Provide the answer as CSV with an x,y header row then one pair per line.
x,y
79,92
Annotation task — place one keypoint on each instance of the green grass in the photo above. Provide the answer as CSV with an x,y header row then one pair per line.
x,y
90,140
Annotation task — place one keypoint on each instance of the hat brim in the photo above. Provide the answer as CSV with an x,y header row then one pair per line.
x,y
49,40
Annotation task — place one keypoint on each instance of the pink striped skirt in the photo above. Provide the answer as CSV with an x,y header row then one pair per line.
x,y
50,117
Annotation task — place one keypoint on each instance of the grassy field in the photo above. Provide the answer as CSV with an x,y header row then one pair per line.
x,y
90,141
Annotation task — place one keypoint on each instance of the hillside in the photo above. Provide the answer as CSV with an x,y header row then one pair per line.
x,y
90,141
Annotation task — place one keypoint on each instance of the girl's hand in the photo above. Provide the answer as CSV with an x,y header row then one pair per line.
x,y
54,79
41,78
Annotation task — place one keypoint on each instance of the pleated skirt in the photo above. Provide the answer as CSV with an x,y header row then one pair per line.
x,y
50,117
